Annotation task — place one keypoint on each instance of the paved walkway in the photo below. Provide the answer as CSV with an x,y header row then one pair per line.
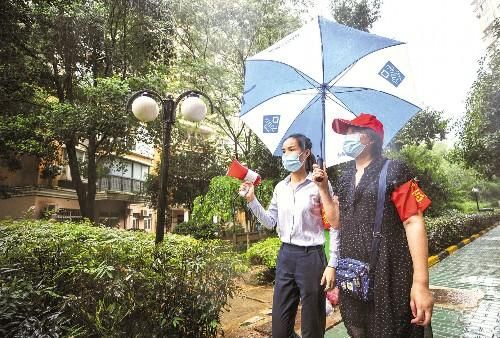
x,y
470,279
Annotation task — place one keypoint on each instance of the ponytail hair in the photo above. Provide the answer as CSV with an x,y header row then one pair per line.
x,y
304,144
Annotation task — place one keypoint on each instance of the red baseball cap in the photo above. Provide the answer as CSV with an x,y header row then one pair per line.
x,y
340,126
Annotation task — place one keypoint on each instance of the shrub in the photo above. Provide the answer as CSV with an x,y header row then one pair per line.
x,y
198,229
67,279
233,229
265,252
453,226
466,206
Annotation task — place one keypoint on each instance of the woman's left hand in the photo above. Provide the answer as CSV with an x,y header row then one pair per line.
x,y
328,279
421,303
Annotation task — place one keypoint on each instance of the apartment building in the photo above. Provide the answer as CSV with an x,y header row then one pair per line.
x,y
120,200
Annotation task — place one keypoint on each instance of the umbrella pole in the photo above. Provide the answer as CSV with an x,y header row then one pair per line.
x,y
322,144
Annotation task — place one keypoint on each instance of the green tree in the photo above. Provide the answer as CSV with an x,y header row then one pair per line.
x,y
195,159
85,50
222,201
359,14
479,137
426,127
260,159
21,130
217,36
96,121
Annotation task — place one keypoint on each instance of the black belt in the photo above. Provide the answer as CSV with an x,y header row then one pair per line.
x,y
301,248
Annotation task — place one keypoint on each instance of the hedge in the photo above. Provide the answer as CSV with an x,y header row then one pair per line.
x,y
454,226
202,230
264,252
441,231
67,279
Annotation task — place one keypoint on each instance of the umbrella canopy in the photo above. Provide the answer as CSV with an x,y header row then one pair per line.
x,y
324,71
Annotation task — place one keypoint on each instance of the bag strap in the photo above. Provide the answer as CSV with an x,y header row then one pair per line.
x,y
382,186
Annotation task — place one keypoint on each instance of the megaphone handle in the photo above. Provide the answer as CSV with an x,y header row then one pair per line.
x,y
319,161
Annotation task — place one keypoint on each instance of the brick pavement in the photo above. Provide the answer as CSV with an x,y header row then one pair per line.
x,y
474,269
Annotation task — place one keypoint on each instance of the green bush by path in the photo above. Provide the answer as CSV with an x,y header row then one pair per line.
x,y
66,279
198,230
265,252
452,227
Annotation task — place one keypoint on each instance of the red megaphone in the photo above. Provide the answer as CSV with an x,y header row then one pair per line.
x,y
239,171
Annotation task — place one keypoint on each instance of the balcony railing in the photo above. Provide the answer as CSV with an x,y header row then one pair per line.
x,y
118,183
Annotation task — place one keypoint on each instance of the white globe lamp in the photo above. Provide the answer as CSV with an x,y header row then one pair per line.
x,y
145,109
193,109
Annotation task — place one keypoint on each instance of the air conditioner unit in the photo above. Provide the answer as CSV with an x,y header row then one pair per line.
x,y
144,212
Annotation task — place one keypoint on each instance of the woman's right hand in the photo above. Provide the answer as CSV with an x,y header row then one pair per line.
x,y
250,193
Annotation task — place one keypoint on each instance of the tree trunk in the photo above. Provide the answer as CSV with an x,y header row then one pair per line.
x,y
81,191
91,179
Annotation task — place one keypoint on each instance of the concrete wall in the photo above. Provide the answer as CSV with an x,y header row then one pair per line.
x,y
32,206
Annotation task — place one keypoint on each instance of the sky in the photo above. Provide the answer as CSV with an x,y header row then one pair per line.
x,y
445,46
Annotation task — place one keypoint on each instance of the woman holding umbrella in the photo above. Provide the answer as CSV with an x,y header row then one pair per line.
x,y
402,303
302,272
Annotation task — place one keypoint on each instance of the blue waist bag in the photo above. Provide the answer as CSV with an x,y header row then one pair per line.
x,y
352,277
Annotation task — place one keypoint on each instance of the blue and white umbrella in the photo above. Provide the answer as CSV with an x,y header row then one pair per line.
x,y
324,71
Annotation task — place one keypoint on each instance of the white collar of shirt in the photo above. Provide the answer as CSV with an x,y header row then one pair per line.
x,y
289,178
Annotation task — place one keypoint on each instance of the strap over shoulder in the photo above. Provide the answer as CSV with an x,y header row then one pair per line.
x,y
379,213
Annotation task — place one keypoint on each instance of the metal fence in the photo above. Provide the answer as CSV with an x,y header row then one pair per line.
x,y
119,183
68,215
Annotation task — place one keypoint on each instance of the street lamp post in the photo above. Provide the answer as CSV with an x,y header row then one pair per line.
x,y
144,105
475,191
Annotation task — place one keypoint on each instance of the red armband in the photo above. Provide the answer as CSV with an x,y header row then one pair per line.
x,y
409,199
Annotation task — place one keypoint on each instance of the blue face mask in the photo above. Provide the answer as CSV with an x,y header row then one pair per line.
x,y
352,145
291,162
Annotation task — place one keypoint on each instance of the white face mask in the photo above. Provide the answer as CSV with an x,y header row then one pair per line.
x,y
352,145
291,162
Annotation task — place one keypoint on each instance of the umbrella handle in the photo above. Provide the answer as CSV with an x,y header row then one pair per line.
x,y
319,161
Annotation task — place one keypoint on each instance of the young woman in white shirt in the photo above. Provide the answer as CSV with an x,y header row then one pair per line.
x,y
302,273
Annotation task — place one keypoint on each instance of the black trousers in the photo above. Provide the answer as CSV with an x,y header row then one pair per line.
x,y
298,276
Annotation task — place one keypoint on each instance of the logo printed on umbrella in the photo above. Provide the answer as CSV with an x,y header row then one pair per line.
x,y
271,123
391,74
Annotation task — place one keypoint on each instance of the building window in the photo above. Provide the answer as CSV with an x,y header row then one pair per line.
x,y
129,169
147,223
180,218
135,223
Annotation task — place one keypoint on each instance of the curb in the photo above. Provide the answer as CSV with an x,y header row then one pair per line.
x,y
433,260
